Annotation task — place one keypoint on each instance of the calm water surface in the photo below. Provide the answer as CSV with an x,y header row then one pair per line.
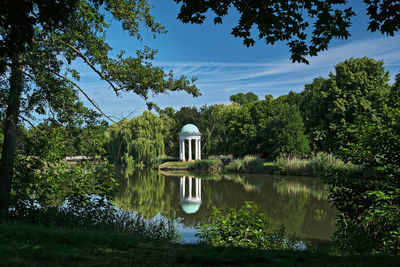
x,y
299,203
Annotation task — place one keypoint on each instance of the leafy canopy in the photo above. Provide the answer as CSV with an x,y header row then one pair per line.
x,y
306,26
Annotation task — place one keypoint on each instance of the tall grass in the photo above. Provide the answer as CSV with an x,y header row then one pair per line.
x,y
313,166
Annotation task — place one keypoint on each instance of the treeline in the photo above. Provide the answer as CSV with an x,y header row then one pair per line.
x,y
327,116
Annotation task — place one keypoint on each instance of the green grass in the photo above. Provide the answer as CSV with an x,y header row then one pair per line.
x,y
209,165
30,245
175,165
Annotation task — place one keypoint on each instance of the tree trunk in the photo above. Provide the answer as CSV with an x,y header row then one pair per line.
x,y
10,133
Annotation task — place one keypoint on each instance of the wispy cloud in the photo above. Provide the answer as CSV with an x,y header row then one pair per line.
x,y
387,49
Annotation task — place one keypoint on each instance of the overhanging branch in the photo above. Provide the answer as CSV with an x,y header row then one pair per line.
x,y
91,65
78,87
84,93
82,56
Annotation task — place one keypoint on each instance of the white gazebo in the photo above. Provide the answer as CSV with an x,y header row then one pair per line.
x,y
191,133
190,194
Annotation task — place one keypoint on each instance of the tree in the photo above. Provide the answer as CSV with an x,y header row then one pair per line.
x,y
240,131
332,108
394,96
314,108
18,21
290,21
359,87
37,77
292,98
215,119
135,141
188,115
244,99
169,130
279,129
284,133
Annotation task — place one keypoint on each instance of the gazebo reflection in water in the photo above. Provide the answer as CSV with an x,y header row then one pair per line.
x,y
190,194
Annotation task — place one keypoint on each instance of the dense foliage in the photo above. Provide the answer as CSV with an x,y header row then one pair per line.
x,y
369,202
307,26
243,99
247,227
135,141
325,117
268,128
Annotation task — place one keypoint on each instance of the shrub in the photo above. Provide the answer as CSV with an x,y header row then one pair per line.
x,y
206,165
235,166
226,159
247,227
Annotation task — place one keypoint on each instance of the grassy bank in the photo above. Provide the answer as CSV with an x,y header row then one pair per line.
x,y
174,166
29,245
312,166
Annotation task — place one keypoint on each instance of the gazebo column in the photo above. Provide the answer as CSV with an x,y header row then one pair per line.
x,y
199,149
195,149
183,149
180,149
190,150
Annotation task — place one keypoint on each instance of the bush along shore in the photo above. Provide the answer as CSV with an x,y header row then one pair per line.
x,y
312,166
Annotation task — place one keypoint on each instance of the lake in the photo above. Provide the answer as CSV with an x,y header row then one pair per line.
x,y
299,203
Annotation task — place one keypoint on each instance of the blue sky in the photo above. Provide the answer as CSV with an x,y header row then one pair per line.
x,y
224,66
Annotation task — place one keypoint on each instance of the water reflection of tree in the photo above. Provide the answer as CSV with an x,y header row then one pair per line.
x,y
298,203
307,188
142,191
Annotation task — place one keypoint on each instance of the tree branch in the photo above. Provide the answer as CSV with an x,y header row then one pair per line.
x,y
86,61
30,123
84,93
91,65
78,87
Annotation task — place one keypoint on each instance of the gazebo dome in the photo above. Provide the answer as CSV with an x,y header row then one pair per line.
x,y
190,208
190,129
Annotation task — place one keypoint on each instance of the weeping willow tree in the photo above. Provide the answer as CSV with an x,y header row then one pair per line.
x,y
135,141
